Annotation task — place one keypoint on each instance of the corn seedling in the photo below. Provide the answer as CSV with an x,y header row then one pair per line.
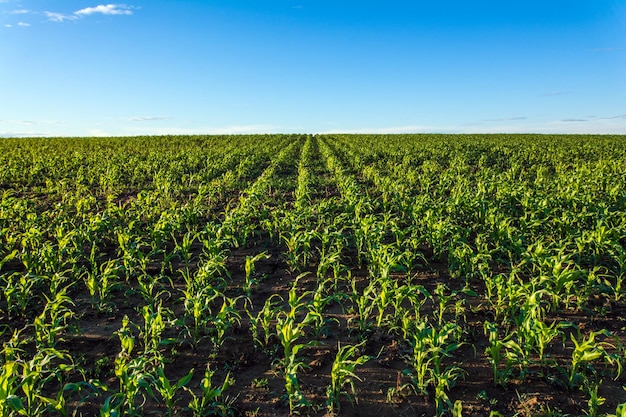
x,y
587,350
211,401
168,391
342,375
249,267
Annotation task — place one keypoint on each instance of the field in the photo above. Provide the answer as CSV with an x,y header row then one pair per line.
x,y
352,275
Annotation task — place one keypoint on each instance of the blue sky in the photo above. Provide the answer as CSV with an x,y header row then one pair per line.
x,y
84,68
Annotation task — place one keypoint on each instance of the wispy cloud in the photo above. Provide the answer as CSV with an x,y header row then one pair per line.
x,y
106,9
506,119
20,11
574,120
110,9
148,118
59,17
23,24
8,25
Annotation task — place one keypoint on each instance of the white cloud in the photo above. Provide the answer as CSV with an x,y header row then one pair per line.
x,y
8,26
20,11
110,9
98,132
58,17
507,119
23,24
148,118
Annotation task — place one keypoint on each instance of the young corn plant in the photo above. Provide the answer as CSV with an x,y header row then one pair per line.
x,y
251,280
365,303
299,251
316,308
9,385
495,354
443,383
53,319
430,346
167,390
342,376
197,302
30,377
587,350
100,281
211,401
227,317
595,400
18,289
155,321
289,330
151,288
132,376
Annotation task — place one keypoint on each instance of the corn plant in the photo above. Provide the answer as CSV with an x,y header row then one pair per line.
x,y
496,353
167,390
223,320
30,377
9,385
100,281
595,400
299,249
430,346
18,289
132,376
444,382
250,271
365,303
53,320
211,401
197,303
342,375
183,248
155,321
316,307
289,330
587,350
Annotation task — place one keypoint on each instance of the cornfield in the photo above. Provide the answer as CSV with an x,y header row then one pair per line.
x,y
352,275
